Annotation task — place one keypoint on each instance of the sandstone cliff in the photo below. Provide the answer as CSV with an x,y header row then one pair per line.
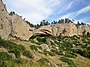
x,y
83,28
20,28
13,24
66,29
4,21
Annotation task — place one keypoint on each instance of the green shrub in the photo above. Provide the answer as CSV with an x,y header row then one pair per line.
x,y
5,56
70,54
2,64
32,41
85,53
63,48
68,61
39,43
53,37
83,46
51,53
18,60
52,43
45,52
33,47
14,48
11,45
58,52
15,51
43,61
88,48
41,39
27,54
67,44
57,42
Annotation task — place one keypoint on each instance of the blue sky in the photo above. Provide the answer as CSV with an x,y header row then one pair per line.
x,y
50,10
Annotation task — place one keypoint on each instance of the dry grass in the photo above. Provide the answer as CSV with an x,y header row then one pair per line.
x,y
82,61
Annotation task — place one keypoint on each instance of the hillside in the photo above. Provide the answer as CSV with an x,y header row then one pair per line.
x,y
62,44
46,52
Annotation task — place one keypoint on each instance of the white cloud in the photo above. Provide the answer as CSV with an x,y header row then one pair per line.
x,y
65,5
37,10
70,5
84,10
33,10
69,15
76,13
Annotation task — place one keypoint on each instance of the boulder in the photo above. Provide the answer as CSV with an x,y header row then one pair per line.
x,y
45,47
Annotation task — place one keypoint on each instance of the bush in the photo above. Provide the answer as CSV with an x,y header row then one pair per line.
x,y
53,37
27,54
67,44
60,52
2,64
18,60
83,46
10,45
51,53
57,42
5,56
68,61
88,48
15,51
33,47
43,61
39,43
85,53
41,39
45,52
52,43
32,41
70,54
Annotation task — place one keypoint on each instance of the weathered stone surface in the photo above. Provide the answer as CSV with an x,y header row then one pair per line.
x,y
57,30
44,30
45,47
13,25
66,29
4,22
20,28
83,28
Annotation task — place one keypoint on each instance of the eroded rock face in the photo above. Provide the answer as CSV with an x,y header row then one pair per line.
x,y
4,22
13,25
83,28
67,29
44,30
19,28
